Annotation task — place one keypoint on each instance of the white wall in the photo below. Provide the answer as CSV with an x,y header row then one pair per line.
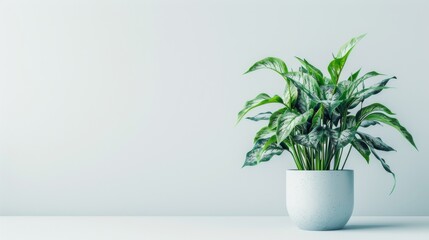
x,y
128,107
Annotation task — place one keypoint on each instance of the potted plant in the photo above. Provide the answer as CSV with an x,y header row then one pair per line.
x,y
320,119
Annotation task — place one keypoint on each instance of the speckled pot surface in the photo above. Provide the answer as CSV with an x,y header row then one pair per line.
x,y
319,200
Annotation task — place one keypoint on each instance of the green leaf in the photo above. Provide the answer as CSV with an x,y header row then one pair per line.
x,y
272,141
271,63
308,93
290,95
366,123
342,138
303,102
348,87
288,121
255,156
259,100
377,88
362,148
335,117
330,105
375,142
265,132
312,70
351,121
381,117
348,46
269,152
367,92
343,91
375,107
261,116
365,77
274,119
268,143
328,80
336,66
311,88
317,118
386,167
354,76
311,139
328,91
342,94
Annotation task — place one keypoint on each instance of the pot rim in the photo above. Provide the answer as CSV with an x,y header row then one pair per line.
x,y
343,170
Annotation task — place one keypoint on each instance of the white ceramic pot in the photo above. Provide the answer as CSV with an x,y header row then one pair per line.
x,y
319,200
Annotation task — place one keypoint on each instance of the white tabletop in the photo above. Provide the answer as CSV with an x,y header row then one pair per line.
x,y
204,228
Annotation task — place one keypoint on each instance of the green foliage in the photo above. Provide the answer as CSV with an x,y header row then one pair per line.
x,y
271,63
288,121
318,116
259,100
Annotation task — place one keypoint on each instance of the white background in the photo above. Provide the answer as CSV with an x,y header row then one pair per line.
x,y
128,107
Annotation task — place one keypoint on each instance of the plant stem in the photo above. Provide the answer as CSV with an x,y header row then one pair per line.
x,y
347,157
326,157
336,162
338,156
307,157
295,158
298,157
